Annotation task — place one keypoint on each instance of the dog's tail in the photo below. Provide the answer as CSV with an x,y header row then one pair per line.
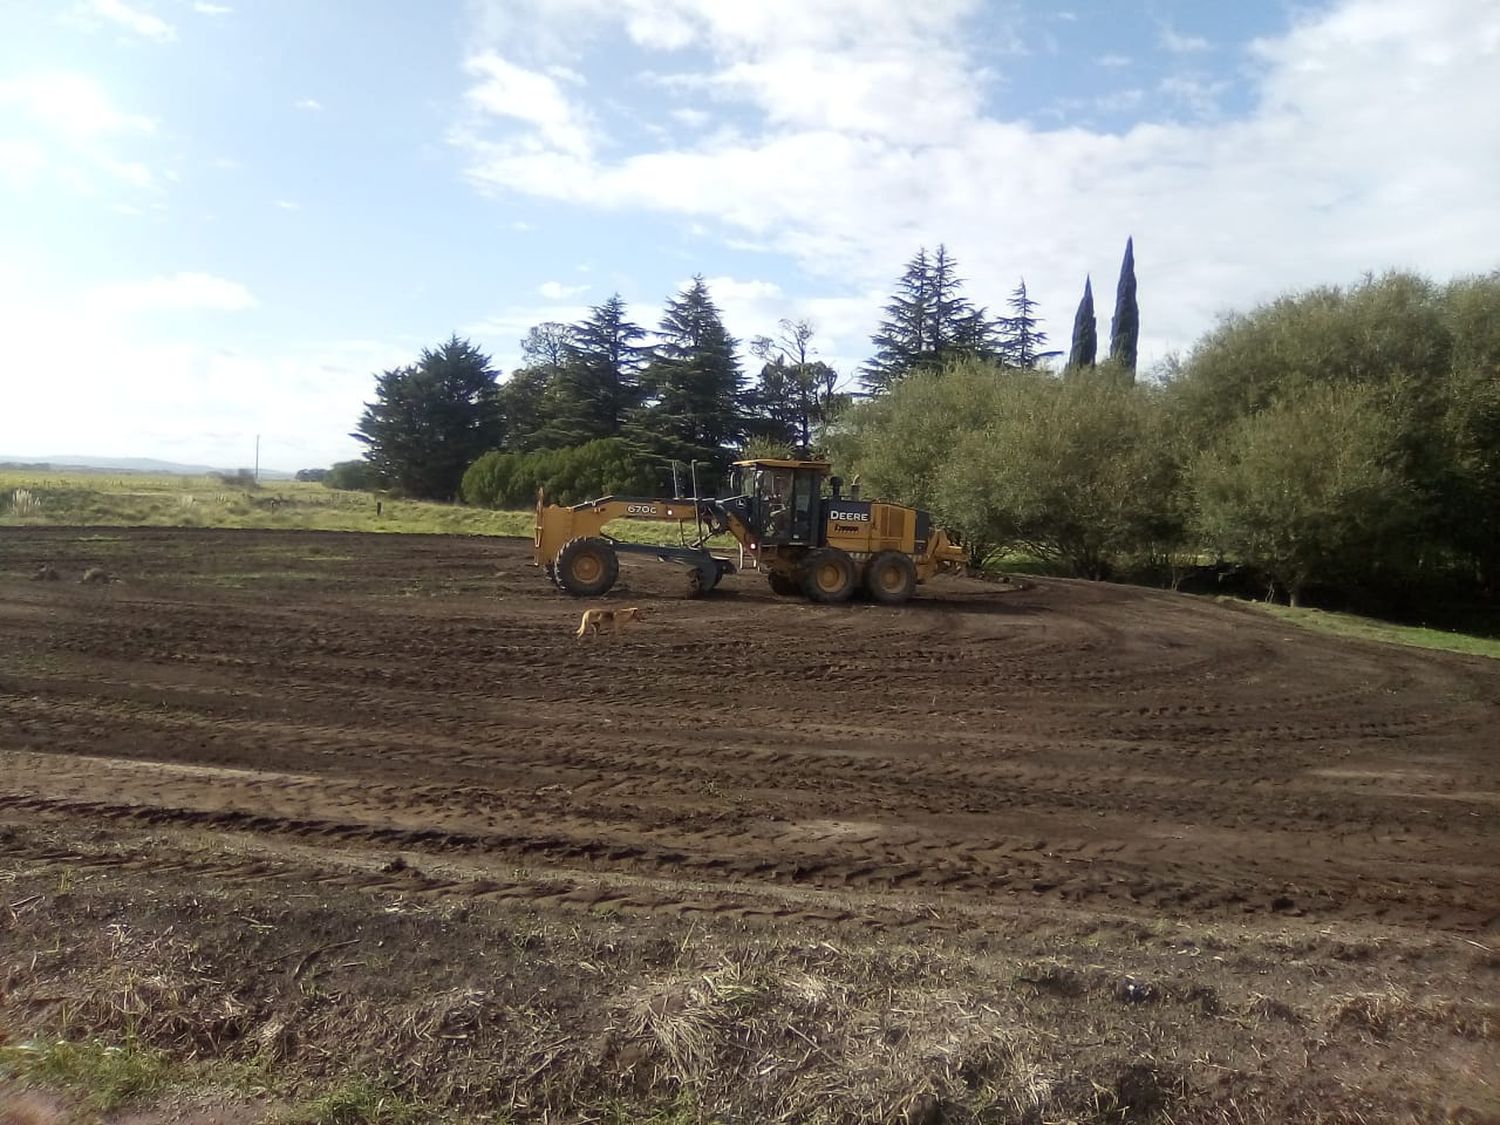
x,y
583,627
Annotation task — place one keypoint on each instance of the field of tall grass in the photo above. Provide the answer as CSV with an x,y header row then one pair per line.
x,y
80,499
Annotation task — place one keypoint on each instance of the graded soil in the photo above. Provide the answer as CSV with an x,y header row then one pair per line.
x,y
337,736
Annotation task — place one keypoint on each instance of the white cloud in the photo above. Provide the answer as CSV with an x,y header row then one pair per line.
x,y
532,98
1197,94
848,180
76,133
557,291
311,104
1180,44
841,325
206,9
180,292
892,93
71,104
1113,61
286,205
134,20
659,28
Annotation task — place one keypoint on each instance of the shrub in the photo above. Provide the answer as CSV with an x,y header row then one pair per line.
x,y
603,467
1080,471
354,476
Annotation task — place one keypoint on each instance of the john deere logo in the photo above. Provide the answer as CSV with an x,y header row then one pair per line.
x,y
858,517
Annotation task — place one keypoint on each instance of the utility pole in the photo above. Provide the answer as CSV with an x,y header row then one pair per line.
x,y
257,458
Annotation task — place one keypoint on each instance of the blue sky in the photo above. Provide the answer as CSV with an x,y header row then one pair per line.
x,y
221,217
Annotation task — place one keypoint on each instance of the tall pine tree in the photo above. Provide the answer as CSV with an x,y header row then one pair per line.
x,y
1125,328
598,385
1022,343
693,408
1085,330
928,323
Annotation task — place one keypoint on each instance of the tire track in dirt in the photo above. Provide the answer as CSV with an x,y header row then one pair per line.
x,y
405,884
1092,746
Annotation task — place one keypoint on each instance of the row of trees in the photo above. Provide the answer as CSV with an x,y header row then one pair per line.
x,y
681,394
1338,437
1124,329
1346,437
930,325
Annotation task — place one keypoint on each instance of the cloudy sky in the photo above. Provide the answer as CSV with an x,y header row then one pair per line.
x,y
219,217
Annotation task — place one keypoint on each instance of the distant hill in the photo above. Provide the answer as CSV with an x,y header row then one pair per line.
x,y
79,463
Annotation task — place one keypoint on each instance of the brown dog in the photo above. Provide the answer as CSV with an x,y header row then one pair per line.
x,y
596,619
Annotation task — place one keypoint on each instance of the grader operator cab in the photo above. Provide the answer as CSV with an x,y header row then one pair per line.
x,y
791,517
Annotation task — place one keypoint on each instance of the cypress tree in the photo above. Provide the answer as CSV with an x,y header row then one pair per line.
x,y
1125,328
1085,330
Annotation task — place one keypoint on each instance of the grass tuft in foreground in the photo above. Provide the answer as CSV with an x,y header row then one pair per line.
x,y
358,1100
104,1076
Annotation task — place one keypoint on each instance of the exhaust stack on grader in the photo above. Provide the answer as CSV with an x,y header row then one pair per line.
x,y
807,538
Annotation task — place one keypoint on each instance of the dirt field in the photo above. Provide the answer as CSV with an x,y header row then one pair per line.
x,y
1233,870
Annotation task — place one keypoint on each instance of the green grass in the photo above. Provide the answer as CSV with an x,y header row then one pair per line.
x,y
108,1077
99,500
359,1101
1365,628
160,500
105,1076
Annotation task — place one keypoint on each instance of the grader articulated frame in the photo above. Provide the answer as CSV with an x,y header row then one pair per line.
x,y
570,545
790,516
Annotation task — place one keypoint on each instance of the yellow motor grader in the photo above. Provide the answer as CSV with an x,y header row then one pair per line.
x,y
792,517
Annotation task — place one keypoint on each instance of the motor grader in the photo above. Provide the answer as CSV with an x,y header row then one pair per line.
x,y
790,517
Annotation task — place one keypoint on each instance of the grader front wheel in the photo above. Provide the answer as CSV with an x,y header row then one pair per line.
x,y
891,578
587,567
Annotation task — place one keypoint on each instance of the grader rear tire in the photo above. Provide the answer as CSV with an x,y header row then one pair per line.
x,y
587,567
891,578
829,576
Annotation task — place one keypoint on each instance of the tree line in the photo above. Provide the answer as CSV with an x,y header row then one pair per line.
x,y
1343,439
678,395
